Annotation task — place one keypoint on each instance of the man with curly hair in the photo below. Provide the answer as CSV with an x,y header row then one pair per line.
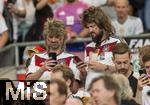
x,y
98,53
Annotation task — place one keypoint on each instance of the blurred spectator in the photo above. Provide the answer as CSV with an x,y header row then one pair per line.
x,y
56,93
106,5
35,32
70,13
126,25
136,6
1,6
3,32
147,15
144,80
142,51
64,73
26,22
98,3
104,90
17,10
55,38
12,11
125,90
122,60
99,52
54,4
139,8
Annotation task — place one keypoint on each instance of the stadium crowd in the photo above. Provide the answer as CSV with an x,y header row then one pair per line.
x,y
106,75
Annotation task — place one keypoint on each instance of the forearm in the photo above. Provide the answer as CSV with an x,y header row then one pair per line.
x,y
84,33
112,69
3,39
107,68
36,75
41,4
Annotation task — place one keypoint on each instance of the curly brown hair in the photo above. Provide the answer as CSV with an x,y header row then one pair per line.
x,y
97,16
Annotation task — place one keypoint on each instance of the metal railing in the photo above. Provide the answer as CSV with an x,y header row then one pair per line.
x,y
24,44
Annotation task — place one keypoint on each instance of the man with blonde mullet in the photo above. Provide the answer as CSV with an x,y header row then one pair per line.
x,y
41,65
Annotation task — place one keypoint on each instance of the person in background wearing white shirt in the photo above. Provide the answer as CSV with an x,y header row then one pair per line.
x,y
3,32
126,25
144,80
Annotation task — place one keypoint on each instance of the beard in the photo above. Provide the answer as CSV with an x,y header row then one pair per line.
x,y
123,71
54,46
70,1
97,39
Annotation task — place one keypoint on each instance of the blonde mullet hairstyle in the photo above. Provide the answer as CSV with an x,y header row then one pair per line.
x,y
54,27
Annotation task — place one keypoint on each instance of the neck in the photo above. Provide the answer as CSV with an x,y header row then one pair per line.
x,y
69,92
122,19
129,72
58,51
104,36
111,102
72,2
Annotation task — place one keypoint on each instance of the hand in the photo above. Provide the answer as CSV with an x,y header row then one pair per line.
x,y
12,8
82,68
96,66
73,35
143,81
48,65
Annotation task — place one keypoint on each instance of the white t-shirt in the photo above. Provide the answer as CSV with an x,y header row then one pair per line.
x,y
20,5
1,6
132,26
95,2
37,59
3,26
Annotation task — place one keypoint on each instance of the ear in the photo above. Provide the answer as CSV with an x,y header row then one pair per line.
x,y
113,59
68,82
112,93
130,56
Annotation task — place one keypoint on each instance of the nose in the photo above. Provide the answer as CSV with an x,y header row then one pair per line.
x,y
94,95
90,29
122,65
53,39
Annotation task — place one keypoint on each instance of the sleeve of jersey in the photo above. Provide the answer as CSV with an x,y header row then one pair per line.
x,y
74,69
32,67
120,40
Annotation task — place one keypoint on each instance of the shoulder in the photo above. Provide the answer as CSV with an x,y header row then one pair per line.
x,y
42,55
74,101
65,55
92,44
116,39
135,19
129,102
